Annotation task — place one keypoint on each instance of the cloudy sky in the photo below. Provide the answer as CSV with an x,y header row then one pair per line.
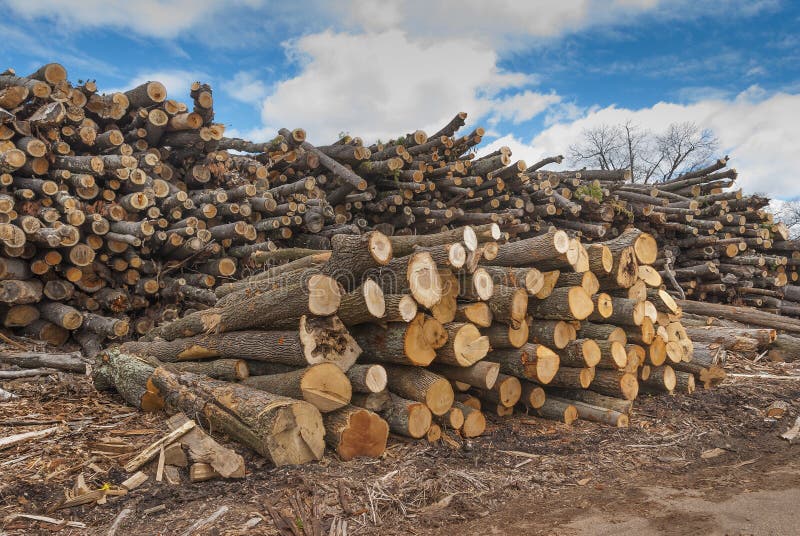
x,y
534,73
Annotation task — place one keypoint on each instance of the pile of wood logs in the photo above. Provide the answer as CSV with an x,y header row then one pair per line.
x,y
119,212
419,335
293,294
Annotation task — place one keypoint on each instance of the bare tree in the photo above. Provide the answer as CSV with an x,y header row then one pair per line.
x,y
684,147
649,156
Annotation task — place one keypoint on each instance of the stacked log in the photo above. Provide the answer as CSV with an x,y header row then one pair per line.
x,y
370,339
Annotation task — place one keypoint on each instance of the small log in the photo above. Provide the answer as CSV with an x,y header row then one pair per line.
x,y
364,304
465,345
317,340
615,383
558,410
220,369
324,385
421,385
66,362
564,303
367,378
400,343
247,415
407,417
533,362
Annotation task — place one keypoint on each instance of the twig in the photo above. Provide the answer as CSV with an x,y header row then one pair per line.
x,y
12,342
202,523
27,373
764,376
16,439
45,519
112,530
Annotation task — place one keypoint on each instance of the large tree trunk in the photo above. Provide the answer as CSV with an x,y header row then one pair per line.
x,y
283,430
352,432
319,295
317,340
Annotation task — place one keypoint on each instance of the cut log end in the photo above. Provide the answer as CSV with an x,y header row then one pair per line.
x,y
469,345
646,248
361,433
561,242
407,308
424,280
380,248
416,347
324,295
580,303
629,386
470,239
474,424
603,304
482,283
375,378
373,297
457,255
547,363
534,281
298,435
419,420
326,387
439,397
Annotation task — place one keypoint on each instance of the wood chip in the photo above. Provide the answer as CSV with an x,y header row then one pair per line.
x,y
125,512
777,409
151,451
158,508
160,469
203,448
172,474
791,434
135,481
712,453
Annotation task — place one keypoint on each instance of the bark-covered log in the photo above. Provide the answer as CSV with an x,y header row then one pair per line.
x,y
317,340
283,430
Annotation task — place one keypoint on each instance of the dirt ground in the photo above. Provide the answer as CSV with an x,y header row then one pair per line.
x,y
706,463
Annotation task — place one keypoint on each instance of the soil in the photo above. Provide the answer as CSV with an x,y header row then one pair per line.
x,y
705,463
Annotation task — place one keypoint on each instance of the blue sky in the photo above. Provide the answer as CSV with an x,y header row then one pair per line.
x,y
533,73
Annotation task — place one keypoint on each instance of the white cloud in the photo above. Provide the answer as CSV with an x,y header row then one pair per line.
x,y
523,106
757,130
380,85
153,18
497,21
246,87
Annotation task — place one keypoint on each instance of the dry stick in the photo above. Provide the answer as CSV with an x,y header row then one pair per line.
x,y
201,524
16,439
66,362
